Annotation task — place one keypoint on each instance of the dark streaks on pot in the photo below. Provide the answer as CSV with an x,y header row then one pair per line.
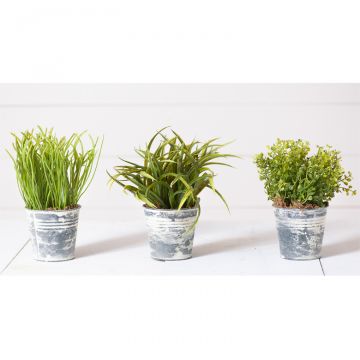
x,y
53,234
300,232
171,233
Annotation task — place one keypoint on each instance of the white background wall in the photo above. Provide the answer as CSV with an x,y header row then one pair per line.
x,y
254,115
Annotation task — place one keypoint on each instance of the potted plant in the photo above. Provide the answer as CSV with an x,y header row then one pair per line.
x,y
52,174
301,185
169,181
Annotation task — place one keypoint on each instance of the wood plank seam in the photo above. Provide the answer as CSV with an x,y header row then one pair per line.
x,y
13,258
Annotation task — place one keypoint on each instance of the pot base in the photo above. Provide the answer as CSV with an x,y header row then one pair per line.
x,y
164,260
301,259
53,260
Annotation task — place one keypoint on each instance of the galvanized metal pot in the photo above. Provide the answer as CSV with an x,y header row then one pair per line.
x,y
53,233
171,233
301,232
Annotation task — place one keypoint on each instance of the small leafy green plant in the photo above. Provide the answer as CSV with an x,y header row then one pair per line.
x,y
53,173
172,174
294,178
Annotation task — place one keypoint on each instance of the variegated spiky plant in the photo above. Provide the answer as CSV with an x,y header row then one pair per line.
x,y
173,173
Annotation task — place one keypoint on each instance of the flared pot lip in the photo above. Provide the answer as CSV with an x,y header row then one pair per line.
x,y
77,208
146,208
295,210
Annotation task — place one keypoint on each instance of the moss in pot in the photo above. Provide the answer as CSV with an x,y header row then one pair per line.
x,y
52,174
168,181
301,186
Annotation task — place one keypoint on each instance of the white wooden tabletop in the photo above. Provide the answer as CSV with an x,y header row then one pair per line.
x,y
111,242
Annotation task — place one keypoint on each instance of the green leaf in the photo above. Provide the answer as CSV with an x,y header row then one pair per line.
x,y
146,175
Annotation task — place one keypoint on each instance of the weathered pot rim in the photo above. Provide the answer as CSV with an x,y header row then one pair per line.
x,y
170,210
301,210
78,207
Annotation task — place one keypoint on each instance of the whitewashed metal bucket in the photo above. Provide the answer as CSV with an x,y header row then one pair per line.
x,y
301,232
171,233
53,233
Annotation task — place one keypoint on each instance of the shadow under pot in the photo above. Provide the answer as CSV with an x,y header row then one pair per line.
x,y
301,232
53,233
171,233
